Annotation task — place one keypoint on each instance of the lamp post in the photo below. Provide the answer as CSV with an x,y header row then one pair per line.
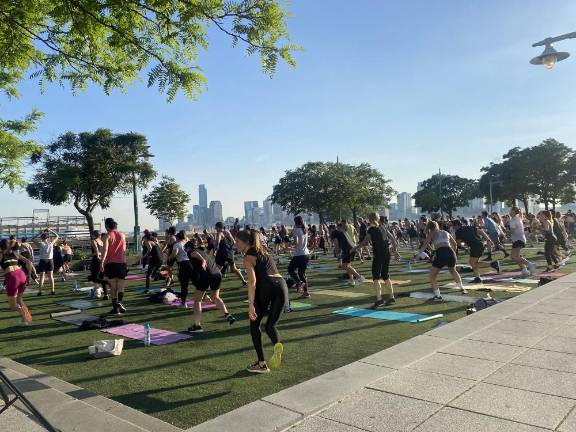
x,y
550,56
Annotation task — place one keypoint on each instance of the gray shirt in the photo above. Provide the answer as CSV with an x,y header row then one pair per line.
x,y
46,249
181,254
301,242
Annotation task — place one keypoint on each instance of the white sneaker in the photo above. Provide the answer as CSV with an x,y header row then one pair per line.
x,y
361,279
351,283
526,272
531,267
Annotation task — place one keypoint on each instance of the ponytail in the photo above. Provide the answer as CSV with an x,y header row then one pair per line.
x,y
252,237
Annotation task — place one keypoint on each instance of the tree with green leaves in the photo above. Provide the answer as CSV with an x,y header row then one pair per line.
x,y
167,200
310,188
446,193
111,43
362,188
87,170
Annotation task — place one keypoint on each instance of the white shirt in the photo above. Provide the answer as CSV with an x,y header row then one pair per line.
x,y
181,254
46,250
517,229
301,242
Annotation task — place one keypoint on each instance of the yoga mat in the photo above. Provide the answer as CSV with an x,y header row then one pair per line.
x,y
299,306
322,268
386,315
339,293
483,278
82,290
527,281
76,319
552,275
190,303
150,291
489,287
135,277
394,282
447,297
83,304
157,336
65,313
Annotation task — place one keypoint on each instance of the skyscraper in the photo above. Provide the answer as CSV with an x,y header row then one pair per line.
x,y
404,204
215,212
202,196
268,215
248,206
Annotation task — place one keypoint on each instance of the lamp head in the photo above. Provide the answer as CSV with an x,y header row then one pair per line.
x,y
549,57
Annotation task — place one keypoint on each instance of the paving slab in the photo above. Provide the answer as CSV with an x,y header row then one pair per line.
x,y
15,420
457,366
545,381
315,394
274,419
461,328
517,405
553,308
423,385
527,328
407,352
483,350
567,331
569,425
547,360
319,424
541,317
558,344
141,419
455,420
378,412
493,336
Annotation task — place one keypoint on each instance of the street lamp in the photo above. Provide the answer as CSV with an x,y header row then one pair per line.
x,y
550,56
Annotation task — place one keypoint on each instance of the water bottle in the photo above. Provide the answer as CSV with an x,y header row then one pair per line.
x,y
147,329
75,285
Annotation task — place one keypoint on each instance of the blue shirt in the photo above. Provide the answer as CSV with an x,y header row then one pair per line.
x,y
491,227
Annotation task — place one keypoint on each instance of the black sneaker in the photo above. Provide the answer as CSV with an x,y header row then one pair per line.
x,y
106,297
390,302
39,294
378,304
476,281
114,311
230,318
496,266
258,368
438,299
195,329
121,308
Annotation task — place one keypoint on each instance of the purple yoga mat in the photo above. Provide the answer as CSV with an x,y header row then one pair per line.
x,y
157,336
190,304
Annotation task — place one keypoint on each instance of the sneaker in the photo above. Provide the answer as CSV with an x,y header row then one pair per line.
x,y
183,305
476,281
53,292
106,297
121,308
361,279
437,299
39,294
525,272
378,304
258,368
196,329
230,318
391,301
496,266
305,295
24,323
114,311
352,283
463,290
531,267
276,360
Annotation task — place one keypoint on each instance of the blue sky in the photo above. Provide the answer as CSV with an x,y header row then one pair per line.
x,y
409,86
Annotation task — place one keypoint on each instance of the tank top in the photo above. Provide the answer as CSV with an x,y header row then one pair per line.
x,y
116,248
155,252
442,240
264,266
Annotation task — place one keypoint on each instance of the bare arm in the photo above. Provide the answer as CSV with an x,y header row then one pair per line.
x,y
104,251
427,242
249,264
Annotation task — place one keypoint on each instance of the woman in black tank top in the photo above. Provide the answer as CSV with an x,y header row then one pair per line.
x,y
267,294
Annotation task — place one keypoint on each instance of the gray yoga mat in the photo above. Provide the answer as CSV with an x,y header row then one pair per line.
x,y
84,304
76,319
446,297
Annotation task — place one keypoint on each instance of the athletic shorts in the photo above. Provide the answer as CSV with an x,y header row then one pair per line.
x,y
347,257
15,282
212,282
380,266
476,250
115,270
518,244
223,260
444,257
45,265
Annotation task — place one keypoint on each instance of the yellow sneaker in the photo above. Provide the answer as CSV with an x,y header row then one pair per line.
x,y
276,358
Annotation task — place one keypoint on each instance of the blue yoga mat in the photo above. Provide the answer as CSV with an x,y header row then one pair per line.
x,y
386,315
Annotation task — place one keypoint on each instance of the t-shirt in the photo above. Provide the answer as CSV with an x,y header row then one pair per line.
x,y
378,239
301,242
344,242
517,229
181,254
468,235
46,250
491,227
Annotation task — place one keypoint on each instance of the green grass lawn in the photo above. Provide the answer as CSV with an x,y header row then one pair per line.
x,y
192,381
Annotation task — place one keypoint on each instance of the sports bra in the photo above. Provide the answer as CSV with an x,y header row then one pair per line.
x,y
442,240
8,260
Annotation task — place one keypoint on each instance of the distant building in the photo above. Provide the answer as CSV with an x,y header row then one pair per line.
x,y
202,196
248,206
268,212
215,212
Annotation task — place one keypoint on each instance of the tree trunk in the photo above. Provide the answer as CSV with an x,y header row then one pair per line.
x,y
546,205
87,213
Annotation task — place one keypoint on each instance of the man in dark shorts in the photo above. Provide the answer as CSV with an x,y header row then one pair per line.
x,y
224,251
472,237
342,241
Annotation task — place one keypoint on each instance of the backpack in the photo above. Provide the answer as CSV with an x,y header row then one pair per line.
x,y
480,304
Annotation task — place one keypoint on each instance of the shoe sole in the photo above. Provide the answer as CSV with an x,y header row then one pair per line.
x,y
258,371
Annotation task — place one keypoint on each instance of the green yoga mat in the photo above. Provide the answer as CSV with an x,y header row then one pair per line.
x,y
386,315
300,306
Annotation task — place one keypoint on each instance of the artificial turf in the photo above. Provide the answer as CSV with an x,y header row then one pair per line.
x,y
189,382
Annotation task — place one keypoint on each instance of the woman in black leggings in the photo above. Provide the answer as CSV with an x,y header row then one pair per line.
x,y
300,257
267,294
550,240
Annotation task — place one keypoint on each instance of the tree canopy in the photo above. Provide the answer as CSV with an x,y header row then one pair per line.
x,y
167,200
87,169
445,193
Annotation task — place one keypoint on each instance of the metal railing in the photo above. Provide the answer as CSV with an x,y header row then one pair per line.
x,y
24,400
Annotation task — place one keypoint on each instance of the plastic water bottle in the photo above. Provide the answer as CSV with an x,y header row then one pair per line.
x,y
147,329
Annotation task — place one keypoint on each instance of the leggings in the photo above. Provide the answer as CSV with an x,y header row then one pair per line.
x,y
271,296
299,262
185,272
550,249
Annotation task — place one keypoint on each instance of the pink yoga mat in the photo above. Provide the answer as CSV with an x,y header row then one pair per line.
x,y
135,277
554,275
157,336
190,304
